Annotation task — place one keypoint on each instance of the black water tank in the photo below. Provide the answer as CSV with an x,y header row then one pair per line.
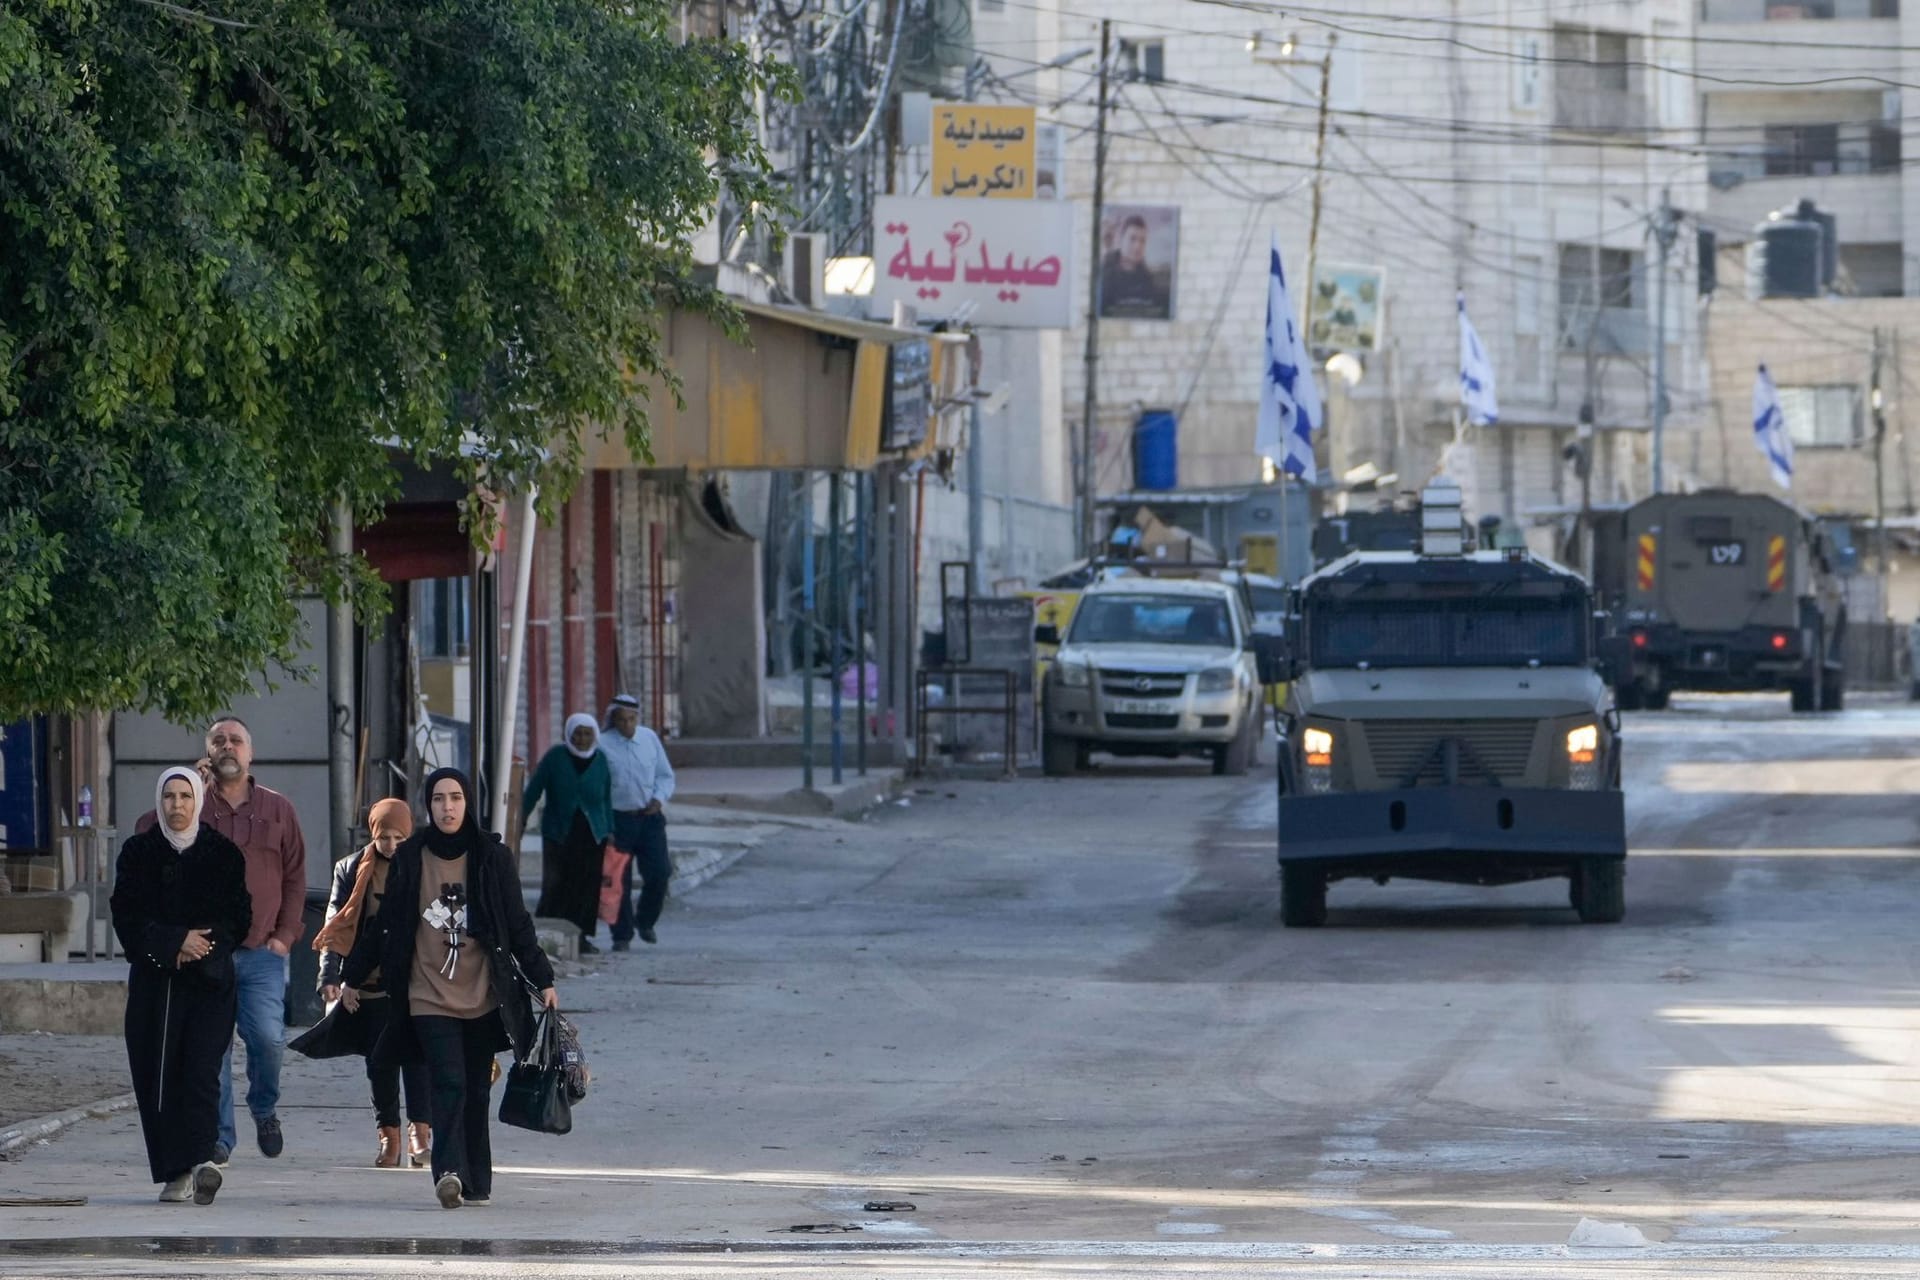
x,y
1787,257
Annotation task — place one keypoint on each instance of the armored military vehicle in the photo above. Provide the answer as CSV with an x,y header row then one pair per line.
x,y
1726,591
1445,721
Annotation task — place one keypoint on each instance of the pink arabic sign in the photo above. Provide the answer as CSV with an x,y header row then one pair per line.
x,y
1004,263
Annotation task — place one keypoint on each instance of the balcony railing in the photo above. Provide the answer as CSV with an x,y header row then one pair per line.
x,y
1795,10
1804,151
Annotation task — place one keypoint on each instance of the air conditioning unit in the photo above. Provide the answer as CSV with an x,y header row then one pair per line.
x,y
803,269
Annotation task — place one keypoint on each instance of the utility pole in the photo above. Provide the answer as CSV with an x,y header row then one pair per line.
x,y
1336,456
1877,399
1091,400
1666,228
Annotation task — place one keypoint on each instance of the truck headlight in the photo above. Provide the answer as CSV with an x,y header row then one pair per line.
x,y
1583,758
1073,675
1317,747
1215,680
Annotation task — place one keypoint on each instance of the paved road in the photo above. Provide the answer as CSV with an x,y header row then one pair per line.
x,y
1060,1019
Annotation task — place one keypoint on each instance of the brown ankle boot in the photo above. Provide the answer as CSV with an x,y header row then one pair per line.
x,y
389,1157
420,1143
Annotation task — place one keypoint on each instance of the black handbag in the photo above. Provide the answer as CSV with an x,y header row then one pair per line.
x,y
536,1094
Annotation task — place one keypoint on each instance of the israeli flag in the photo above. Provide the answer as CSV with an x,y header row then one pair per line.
x,y
1476,375
1289,400
1770,429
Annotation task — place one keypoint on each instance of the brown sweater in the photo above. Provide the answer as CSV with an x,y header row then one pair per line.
x,y
468,993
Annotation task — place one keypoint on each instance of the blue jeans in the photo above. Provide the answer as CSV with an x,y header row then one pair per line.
x,y
261,977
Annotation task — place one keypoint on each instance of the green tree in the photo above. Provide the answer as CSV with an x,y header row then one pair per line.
x,y
248,244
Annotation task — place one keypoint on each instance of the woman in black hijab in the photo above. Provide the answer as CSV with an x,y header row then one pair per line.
x,y
180,906
458,954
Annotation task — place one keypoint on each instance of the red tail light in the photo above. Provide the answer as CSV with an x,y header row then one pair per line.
x,y
1639,639
1779,639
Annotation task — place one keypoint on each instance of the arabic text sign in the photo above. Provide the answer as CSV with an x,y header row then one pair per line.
x,y
1009,264
982,151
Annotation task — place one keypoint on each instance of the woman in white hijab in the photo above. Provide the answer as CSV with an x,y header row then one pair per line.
x,y
576,826
180,906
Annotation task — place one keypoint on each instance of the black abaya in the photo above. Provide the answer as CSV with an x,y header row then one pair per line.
x,y
179,1019
570,879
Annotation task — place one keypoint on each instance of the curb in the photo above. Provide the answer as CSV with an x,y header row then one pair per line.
x,y
27,1131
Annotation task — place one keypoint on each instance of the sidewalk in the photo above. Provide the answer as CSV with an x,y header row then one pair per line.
x,y
782,790
61,1056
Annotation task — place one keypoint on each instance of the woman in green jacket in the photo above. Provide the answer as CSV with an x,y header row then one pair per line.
x,y
576,827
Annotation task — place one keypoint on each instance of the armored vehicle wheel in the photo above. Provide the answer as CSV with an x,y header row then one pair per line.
x,y
1060,757
1599,890
1800,692
1303,896
1233,759
1833,694
1656,699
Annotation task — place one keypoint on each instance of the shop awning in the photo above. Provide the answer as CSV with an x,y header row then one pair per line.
x,y
806,390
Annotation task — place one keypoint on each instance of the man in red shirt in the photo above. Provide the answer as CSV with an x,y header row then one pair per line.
x,y
262,822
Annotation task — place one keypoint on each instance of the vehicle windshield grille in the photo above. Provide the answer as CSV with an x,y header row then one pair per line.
x,y
1457,633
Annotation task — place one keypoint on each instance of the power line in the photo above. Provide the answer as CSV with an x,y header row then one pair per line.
x,y
1471,23
1501,57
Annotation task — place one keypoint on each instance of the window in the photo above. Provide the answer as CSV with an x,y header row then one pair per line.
x,y
1600,299
1596,86
1467,633
1143,60
443,618
1823,417
1808,149
1874,270
1822,150
1116,619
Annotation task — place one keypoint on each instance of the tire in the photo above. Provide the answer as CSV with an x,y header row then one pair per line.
x,y
1599,890
1233,759
1627,696
1913,692
1060,757
1800,692
1833,694
1656,699
1303,896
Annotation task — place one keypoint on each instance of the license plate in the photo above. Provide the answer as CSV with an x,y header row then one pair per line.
x,y
1137,707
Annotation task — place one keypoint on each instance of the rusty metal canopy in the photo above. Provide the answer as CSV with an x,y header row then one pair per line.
x,y
806,390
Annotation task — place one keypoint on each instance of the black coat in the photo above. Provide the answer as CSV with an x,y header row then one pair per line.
x,y
159,895
497,921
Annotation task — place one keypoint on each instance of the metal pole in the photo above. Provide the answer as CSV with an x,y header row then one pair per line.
x,y
1664,231
1878,401
516,658
340,695
861,589
807,623
976,501
1336,457
836,616
1091,400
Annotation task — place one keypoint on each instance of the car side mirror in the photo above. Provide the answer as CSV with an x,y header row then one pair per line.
x,y
1274,657
1047,635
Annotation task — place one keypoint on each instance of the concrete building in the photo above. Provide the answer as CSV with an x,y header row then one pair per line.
x,y
1774,138
1519,158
